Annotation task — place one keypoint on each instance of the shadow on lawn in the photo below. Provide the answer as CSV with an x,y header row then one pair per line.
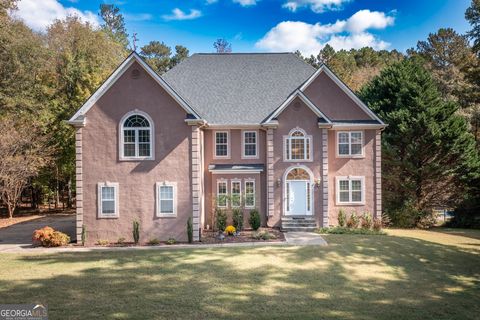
x,y
356,277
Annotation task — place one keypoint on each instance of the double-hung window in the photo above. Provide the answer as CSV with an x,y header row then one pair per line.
x,y
222,194
350,143
350,190
166,199
236,193
221,144
108,200
249,193
249,144
136,138
298,146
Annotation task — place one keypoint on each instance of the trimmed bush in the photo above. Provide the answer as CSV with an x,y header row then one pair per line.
x,y
353,221
153,242
121,240
263,235
103,242
136,231
254,219
84,234
48,237
237,217
171,241
221,219
366,221
377,224
342,217
190,230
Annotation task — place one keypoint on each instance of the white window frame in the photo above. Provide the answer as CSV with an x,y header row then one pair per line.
x,y
350,155
244,156
239,195
226,193
100,213
350,179
215,156
254,193
287,139
160,214
121,155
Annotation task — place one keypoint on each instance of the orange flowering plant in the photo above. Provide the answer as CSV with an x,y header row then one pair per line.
x,y
48,237
230,230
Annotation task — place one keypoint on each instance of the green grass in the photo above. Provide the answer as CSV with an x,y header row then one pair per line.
x,y
411,275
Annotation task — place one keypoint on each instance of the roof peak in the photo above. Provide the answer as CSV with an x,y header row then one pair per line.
x,y
238,53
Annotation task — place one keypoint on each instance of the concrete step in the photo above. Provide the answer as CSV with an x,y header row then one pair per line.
x,y
299,224
299,229
308,218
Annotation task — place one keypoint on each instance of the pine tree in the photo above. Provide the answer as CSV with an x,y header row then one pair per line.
x,y
429,157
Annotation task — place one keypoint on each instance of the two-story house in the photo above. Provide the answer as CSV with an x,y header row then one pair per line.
x,y
292,141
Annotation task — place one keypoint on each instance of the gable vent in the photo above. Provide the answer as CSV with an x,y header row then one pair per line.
x,y
135,74
296,106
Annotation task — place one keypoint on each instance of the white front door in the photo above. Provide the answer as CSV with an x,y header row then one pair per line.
x,y
296,198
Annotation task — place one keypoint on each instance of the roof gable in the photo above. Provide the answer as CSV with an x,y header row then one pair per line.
x,y
79,117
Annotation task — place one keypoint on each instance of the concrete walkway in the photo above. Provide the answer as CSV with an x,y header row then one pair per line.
x,y
304,238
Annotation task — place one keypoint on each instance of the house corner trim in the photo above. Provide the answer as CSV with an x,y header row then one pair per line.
x,y
79,183
378,174
324,177
196,182
270,177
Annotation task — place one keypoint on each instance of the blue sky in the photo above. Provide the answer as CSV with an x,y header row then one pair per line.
x,y
267,25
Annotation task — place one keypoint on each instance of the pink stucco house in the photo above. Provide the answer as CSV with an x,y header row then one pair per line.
x,y
293,141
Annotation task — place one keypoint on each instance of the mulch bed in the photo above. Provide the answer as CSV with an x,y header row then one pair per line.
x,y
209,237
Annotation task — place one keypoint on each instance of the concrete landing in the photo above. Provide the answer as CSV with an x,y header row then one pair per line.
x,y
304,238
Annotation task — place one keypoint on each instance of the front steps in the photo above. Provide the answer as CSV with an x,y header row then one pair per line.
x,y
306,224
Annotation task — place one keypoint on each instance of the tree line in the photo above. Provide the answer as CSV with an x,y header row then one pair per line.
x,y
429,96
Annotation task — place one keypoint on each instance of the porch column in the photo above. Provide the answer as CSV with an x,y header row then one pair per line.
x,y
324,177
79,184
270,177
378,174
196,173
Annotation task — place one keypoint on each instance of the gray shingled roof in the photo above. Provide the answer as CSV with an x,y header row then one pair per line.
x,y
237,88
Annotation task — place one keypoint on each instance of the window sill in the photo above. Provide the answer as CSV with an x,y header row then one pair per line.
x,y
297,160
108,217
136,159
221,157
351,157
350,203
249,157
166,215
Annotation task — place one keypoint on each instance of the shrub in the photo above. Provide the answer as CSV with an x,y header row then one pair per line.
x,y
103,242
221,219
377,224
353,221
342,217
48,237
254,219
230,230
153,242
190,230
121,240
408,216
237,217
263,235
84,234
366,222
136,231
343,230
171,241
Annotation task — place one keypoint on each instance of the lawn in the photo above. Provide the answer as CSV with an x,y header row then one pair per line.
x,y
405,275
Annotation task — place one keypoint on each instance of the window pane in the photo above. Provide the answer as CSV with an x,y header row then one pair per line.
x,y
356,196
129,136
343,185
236,194
136,121
143,135
287,149
343,149
298,149
221,150
307,151
108,193
166,206
222,194
356,185
129,150
108,206
343,137
356,137
250,150
344,196
221,137
249,193
356,149
144,150
250,137
166,192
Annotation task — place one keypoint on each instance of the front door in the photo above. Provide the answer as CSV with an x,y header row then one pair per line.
x,y
297,199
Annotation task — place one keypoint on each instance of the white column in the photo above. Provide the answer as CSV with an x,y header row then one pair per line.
x,y
270,176
378,174
325,177
79,184
196,174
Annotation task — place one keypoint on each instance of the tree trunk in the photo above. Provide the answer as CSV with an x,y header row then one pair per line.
x,y
57,191
11,209
69,199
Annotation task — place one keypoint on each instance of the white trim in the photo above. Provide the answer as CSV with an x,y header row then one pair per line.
x,y
357,126
160,214
220,171
218,126
305,99
226,194
121,156
254,193
239,181
215,144
349,155
115,187
343,86
312,188
349,179
256,144
118,73
306,137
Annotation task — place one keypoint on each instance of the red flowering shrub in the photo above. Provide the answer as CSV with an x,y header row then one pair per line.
x,y
48,237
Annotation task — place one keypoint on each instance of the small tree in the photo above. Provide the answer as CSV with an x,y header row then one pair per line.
x,y
221,219
342,217
254,219
136,231
237,217
190,230
222,46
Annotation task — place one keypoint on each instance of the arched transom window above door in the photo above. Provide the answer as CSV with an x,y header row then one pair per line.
x,y
136,136
298,174
297,146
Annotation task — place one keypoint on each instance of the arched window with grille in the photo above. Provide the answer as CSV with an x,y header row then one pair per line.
x,y
297,146
136,136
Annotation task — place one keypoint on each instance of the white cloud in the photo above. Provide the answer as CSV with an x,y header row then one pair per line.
x,y
210,1
343,34
137,16
246,3
316,6
178,14
40,14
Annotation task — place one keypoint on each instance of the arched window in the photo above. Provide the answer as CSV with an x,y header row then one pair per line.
x,y
136,137
298,146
